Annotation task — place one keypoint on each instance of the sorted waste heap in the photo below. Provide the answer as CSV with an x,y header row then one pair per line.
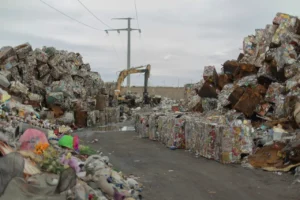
x,y
249,113
45,95
55,83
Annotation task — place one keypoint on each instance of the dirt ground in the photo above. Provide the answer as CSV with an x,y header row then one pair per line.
x,y
178,175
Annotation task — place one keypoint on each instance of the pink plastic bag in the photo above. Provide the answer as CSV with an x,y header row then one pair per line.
x,y
31,137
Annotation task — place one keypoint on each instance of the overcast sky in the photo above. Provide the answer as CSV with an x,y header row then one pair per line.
x,y
179,37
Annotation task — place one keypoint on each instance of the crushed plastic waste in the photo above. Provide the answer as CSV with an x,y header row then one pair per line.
x,y
46,95
249,113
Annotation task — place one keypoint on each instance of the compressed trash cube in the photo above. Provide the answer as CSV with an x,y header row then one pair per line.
x,y
248,81
6,52
64,87
18,88
284,55
248,102
244,70
4,82
261,89
187,90
293,83
221,142
161,123
55,98
6,74
188,129
274,90
67,119
192,131
265,75
81,118
208,90
229,67
249,45
223,80
281,18
195,104
112,115
142,125
262,109
209,104
178,134
40,56
224,95
10,62
210,75
43,70
91,118
100,120
279,106
154,126
23,50
167,130
210,148
291,70
236,140
235,95
287,24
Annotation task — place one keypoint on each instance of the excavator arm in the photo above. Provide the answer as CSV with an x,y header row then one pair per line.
x,y
123,74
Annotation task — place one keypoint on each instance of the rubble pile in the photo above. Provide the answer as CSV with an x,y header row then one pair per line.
x,y
57,80
249,109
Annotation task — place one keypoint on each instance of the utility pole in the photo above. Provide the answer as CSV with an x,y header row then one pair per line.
x,y
129,29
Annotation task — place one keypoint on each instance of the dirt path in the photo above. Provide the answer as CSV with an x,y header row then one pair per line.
x,y
177,175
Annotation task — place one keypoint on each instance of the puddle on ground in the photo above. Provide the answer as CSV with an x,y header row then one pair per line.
x,y
114,128
127,128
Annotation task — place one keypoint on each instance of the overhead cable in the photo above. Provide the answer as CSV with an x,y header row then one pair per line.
x,y
93,14
70,17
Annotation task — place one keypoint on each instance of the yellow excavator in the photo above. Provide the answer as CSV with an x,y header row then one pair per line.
x,y
123,74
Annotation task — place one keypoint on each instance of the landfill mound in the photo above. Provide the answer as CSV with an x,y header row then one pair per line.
x,y
45,96
54,83
250,112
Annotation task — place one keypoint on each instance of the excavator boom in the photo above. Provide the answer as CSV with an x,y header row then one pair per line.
x,y
123,74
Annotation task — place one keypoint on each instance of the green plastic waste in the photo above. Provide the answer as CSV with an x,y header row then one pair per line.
x,y
66,141
86,150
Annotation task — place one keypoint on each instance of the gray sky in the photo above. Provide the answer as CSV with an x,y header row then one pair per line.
x,y
179,37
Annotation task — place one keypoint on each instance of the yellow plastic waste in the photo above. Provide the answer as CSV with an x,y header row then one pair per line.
x,y
4,96
21,113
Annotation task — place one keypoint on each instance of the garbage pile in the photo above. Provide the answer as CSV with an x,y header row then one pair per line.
x,y
250,111
54,82
54,165
45,96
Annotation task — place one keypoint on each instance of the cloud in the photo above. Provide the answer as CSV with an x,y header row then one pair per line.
x,y
168,57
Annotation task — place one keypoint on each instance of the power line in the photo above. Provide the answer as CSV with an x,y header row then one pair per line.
x,y
136,14
128,29
123,45
138,24
93,14
71,17
114,48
